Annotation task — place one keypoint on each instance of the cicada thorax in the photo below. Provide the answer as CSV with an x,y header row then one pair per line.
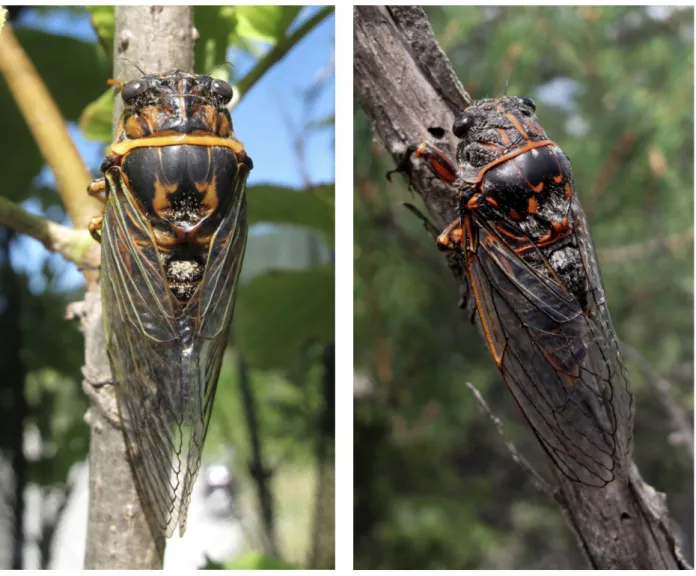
x,y
182,192
521,183
177,156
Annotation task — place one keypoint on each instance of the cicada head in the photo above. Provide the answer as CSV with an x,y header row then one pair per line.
x,y
175,102
492,128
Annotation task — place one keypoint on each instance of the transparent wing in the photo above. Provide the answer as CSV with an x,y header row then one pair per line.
x,y
166,361
211,310
560,359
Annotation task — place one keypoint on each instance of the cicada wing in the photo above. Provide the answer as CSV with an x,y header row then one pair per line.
x,y
598,312
556,360
145,350
211,309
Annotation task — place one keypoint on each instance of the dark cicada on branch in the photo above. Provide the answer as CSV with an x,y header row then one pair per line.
x,y
536,285
173,236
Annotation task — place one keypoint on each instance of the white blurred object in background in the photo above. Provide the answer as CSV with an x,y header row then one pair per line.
x,y
213,529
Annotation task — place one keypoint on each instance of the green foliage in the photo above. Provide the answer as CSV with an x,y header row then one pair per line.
x,y
279,313
265,23
255,562
434,486
311,208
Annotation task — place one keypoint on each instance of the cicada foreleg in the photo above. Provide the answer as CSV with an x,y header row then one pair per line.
x,y
97,189
435,159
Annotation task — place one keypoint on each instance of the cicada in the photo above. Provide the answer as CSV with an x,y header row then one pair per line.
x,y
173,236
536,284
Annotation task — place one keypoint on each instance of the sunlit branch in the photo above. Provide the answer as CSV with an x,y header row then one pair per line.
x,y
71,243
48,128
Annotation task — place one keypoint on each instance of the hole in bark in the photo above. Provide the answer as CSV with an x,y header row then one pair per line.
x,y
436,131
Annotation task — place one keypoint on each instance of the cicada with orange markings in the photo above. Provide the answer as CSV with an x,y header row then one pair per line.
x,y
536,284
173,236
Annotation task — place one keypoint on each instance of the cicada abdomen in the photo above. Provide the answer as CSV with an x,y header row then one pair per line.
x,y
536,285
173,236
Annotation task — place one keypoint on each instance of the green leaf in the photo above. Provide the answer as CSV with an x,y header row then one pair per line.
x,y
327,121
216,26
312,208
265,23
257,561
279,313
96,119
103,21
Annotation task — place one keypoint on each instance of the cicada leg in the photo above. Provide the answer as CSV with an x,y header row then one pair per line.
x,y
451,238
436,161
94,226
97,189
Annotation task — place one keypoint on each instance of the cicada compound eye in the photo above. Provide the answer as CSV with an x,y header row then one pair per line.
x,y
529,102
222,89
462,124
132,90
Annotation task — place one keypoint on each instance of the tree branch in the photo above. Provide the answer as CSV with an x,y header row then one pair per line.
x,y
71,243
118,536
406,86
48,128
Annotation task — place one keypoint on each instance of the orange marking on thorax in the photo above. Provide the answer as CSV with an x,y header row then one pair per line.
x,y
134,127
503,136
517,126
518,152
160,201
125,146
532,205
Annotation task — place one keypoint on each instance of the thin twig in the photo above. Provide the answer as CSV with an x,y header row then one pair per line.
x,y
71,243
683,432
538,481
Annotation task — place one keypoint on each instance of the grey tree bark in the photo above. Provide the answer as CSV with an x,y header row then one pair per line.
x,y
406,86
155,39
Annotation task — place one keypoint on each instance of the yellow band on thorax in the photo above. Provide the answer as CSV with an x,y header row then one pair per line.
x,y
125,146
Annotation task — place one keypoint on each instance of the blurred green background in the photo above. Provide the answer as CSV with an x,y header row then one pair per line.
x,y
283,332
434,486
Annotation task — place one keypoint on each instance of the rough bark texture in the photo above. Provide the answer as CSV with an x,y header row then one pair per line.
x,y
406,86
154,39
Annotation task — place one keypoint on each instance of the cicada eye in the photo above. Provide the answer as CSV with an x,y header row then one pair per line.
x,y
529,102
222,89
462,124
132,90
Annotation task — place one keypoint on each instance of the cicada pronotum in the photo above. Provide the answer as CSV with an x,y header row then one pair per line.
x,y
536,284
172,237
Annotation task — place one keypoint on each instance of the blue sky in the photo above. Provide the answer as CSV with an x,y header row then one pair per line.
x,y
267,120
